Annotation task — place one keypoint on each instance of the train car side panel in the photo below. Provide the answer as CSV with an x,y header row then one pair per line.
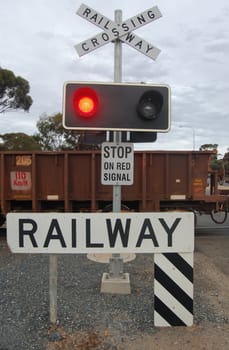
x,y
71,181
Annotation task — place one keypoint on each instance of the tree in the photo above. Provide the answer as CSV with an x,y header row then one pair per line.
x,y
13,92
53,136
226,158
18,142
209,147
226,165
215,163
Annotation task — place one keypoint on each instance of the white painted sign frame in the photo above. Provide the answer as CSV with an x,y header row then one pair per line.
x,y
61,233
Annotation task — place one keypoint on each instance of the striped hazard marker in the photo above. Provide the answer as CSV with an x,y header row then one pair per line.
x,y
173,289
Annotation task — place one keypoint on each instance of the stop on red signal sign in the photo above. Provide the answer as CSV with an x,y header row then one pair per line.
x,y
117,163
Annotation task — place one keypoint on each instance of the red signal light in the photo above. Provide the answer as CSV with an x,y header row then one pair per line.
x,y
85,102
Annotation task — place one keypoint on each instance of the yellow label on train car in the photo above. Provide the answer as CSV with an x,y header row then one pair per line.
x,y
23,160
198,186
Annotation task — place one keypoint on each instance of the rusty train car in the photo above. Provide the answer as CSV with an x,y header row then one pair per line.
x,y
70,181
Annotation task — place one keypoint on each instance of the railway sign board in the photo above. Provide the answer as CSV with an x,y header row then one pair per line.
x,y
122,31
59,233
117,165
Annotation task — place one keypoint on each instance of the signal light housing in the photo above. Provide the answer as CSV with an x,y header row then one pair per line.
x,y
116,106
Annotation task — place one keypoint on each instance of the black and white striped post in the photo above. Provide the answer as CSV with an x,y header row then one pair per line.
x,y
173,289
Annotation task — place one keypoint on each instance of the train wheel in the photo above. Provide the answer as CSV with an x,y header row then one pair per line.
x,y
219,217
108,208
185,211
2,219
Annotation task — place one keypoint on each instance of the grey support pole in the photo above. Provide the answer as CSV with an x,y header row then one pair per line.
x,y
116,281
116,262
53,288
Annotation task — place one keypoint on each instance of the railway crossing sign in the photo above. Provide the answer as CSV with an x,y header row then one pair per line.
x,y
122,31
65,233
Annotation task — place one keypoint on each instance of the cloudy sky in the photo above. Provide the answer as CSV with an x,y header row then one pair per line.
x,y
37,41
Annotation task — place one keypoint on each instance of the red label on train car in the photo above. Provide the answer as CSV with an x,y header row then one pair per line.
x,y
20,180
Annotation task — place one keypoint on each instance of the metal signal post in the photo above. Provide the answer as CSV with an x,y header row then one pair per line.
x,y
116,262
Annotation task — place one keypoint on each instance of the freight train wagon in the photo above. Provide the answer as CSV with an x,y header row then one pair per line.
x,y
70,181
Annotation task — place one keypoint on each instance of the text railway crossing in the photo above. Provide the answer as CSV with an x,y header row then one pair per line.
x,y
122,31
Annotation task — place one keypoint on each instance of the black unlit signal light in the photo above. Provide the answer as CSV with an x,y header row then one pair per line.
x,y
150,105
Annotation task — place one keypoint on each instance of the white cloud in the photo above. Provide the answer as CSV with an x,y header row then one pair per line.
x,y
37,42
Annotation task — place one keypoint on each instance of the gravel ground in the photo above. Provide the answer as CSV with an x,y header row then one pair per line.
x,y
91,320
